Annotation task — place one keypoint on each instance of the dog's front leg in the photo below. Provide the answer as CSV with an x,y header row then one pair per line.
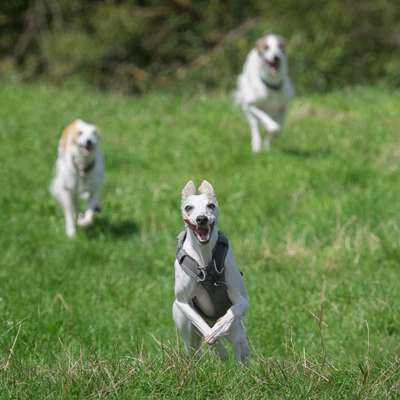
x,y
192,315
270,125
70,205
254,132
86,218
223,325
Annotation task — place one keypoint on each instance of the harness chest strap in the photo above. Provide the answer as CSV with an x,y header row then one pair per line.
x,y
214,272
272,86
211,278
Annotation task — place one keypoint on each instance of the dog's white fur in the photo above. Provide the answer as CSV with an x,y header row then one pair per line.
x,y
266,65
189,322
79,173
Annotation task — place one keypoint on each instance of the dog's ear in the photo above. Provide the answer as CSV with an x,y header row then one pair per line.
x,y
207,189
188,190
69,134
282,42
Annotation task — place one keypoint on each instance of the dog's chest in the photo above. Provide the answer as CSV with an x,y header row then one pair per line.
x,y
273,102
85,183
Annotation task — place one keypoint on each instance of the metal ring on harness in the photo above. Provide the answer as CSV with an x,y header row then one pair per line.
x,y
203,272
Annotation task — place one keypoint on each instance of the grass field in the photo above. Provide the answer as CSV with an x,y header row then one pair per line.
x,y
314,225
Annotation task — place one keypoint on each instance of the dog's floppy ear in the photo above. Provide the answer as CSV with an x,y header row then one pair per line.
x,y
282,42
69,133
207,189
188,190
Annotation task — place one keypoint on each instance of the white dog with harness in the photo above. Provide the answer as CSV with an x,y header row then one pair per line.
x,y
79,173
264,89
210,297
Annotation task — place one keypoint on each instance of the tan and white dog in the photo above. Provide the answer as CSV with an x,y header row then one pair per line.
x,y
79,173
210,297
264,89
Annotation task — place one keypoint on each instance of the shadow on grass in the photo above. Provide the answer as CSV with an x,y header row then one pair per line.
x,y
116,229
306,153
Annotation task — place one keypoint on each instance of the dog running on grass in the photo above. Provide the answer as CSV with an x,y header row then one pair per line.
x,y
79,173
264,89
210,297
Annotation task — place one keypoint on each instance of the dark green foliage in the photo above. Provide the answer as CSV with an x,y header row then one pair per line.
x,y
134,45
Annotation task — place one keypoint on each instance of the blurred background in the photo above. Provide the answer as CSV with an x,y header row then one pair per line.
x,y
132,46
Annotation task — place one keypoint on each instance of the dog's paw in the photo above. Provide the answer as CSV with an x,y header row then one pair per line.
x,y
274,128
256,146
71,232
85,219
221,327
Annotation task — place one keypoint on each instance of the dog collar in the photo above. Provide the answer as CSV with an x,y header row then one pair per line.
x,y
271,86
86,169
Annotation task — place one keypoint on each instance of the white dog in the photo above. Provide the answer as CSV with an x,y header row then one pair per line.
x,y
264,88
79,173
210,298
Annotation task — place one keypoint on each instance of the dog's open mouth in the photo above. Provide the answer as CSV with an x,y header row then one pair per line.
x,y
87,148
202,232
274,65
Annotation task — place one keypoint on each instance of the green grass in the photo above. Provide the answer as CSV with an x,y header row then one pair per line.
x,y
314,225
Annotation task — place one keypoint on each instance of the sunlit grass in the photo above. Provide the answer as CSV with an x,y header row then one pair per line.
x,y
314,226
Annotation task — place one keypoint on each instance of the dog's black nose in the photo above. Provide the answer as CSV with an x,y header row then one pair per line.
x,y
89,142
276,58
202,220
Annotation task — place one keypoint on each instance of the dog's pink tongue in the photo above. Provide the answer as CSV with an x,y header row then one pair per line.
x,y
203,232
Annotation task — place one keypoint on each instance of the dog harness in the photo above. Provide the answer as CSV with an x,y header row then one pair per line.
x,y
86,169
271,85
211,278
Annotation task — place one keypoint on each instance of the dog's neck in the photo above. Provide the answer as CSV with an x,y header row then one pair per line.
x,y
201,252
83,164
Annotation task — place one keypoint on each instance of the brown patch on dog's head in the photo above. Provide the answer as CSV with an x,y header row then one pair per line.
x,y
261,44
69,134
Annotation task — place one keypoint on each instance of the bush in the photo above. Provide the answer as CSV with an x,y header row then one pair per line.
x,y
135,45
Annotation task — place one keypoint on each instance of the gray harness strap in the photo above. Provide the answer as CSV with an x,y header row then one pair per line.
x,y
211,278
272,86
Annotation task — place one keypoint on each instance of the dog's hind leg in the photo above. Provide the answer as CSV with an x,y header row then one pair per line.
x,y
237,336
191,338
254,132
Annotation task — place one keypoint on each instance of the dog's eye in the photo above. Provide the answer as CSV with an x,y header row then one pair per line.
x,y
79,133
188,208
211,206
266,47
282,46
